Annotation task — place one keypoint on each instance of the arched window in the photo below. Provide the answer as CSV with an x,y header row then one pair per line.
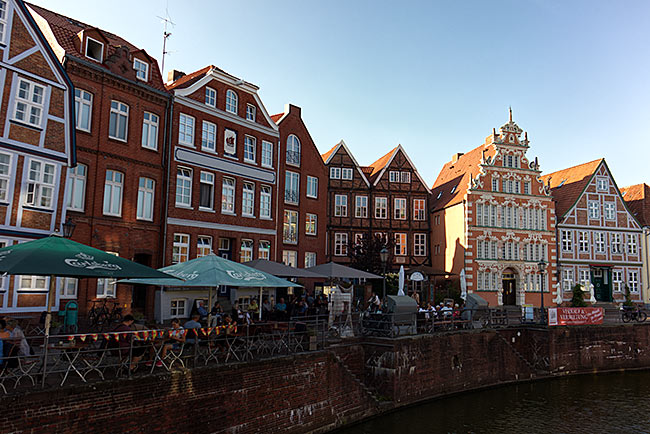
x,y
231,102
293,150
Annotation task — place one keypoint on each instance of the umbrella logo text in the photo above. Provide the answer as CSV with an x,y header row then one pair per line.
x,y
186,276
245,276
82,260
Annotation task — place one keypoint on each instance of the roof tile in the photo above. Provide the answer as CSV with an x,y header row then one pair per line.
x,y
568,184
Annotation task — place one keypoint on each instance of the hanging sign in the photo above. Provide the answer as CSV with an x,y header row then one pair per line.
x,y
230,142
416,276
575,315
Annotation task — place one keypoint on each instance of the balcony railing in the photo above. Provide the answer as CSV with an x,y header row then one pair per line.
x,y
291,196
293,157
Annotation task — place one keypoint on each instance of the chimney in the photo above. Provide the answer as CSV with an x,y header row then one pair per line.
x,y
456,156
174,75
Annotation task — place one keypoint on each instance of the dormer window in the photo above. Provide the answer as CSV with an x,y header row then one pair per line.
x,y
94,49
141,70
231,102
250,112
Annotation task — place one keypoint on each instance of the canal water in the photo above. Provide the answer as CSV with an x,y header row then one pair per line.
x,y
604,403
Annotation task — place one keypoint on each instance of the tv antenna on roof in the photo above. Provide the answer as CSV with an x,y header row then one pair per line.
x,y
166,34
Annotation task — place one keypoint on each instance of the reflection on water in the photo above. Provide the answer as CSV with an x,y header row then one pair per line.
x,y
605,403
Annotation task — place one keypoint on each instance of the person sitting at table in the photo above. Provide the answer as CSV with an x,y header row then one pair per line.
x,y
193,323
229,323
267,309
125,343
280,309
201,310
237,313
253,308
216,315
17,338
176,338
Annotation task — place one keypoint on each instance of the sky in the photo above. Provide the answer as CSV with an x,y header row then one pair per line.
x,y
433,76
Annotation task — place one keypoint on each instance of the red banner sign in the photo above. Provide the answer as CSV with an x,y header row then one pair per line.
x,y
575,315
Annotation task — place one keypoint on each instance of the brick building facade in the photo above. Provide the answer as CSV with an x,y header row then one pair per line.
x,y
494,219
637,198
599,240
36,147
115,195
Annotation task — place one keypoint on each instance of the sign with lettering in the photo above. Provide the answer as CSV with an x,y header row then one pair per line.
x,y
575,315
416,276
230,142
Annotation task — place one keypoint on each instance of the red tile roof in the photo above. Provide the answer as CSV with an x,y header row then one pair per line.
x,y
637,198
456,176
277,117
568,184
378,165
327,154
191,78
65,31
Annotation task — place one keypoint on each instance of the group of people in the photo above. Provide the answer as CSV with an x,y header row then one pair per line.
x,y
441,311
12,342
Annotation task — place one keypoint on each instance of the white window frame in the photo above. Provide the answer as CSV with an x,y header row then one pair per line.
x,y
346,173
76,188
401,247
361,207
209,136
310,259
248,200
83,105
210,95
335,173
232,101
267,154
251,112
292,185
68,288
600,242
228,195
633,281
290,258
29,106
150,125
527,187
265,202
3,20
405,177
311,224
312,187
290,227
111,186
495,184
616,244
381,208
340,244
617,280
567,279
101,59
146,195
184,175
121,114
583,241
203,245
631,244
294,148
419,213
393,176
593,209
610,210
246,250
178,308
264,250
208,179
107,288
186,129
567,241
399,208
140,73
181,248
250,148
602,183
419,244
340,205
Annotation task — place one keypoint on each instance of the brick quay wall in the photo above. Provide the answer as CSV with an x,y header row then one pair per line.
x,y
320,391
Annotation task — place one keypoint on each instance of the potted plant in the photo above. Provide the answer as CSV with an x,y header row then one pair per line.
x,y
578,298
139,318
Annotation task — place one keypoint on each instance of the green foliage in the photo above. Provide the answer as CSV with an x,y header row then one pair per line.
x,y
450,289
365,254
578,299
628,297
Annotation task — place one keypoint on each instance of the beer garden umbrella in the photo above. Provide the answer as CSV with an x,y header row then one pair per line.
x,y
56,256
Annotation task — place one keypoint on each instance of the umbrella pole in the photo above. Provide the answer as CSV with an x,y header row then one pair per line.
x,y
259,305
50,295
209,306
161,304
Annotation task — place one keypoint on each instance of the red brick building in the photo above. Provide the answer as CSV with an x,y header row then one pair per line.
x,y
637,198
36,147
115,195
494,219
387,199
303,186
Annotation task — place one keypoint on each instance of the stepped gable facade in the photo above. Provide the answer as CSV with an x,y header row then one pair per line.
x,y
115,194
37,148
493,221
599,239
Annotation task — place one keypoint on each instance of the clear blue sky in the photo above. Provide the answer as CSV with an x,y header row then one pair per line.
x,y
433,76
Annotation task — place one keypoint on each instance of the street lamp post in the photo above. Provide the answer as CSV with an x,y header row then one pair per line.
x,y
383,255
541,266
68,228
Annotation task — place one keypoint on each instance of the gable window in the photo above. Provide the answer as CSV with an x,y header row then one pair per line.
x,y
293,150
340,244
141,69
231,102
118,122
113,193
209,137
418,209
361,207
420,245
290,227
249,149
312,187
210,97
346,173
181,248
340,205
248,200
335,173
186,130
631,244
76,186
381,207
94,49
3,19
610,210
264,250
184,187
150,131
228,196
206,191
310,224
83,107
40,184
146,193
265,202
594,210
250,112
405,177
399,208
29,102
246,252
291,190
602,184
267,154
393,176
400,245
567,241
